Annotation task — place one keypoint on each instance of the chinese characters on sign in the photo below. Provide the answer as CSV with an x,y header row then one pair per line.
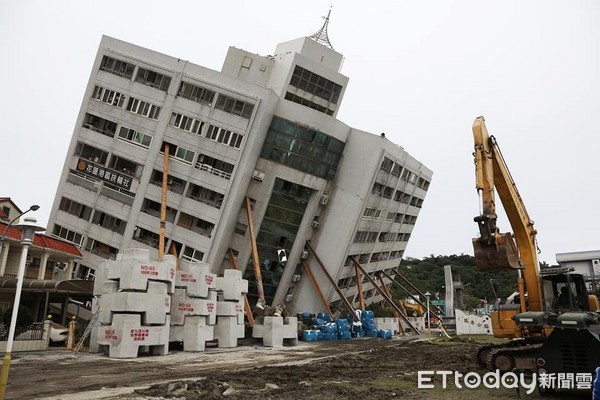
x,y
108,175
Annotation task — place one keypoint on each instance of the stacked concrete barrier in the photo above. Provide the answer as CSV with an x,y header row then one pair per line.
x,y
135,303
275,331
194,306
230,308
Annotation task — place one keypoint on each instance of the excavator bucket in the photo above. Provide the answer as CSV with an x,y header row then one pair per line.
x,y
498,255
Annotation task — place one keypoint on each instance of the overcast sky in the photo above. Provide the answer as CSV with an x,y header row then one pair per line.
x,y
419,71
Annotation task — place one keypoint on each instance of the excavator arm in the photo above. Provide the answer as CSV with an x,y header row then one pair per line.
x,y
495,251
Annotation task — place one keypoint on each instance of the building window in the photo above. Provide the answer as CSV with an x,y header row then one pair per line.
x,y
224,136
387,192
416,202
91,153
396,169
179,153
191,254
143,108
147,237
423,184
151,207
188,124
386,164
302,148
68,235
195,224
108,96
101,249
214,166
85,273
240,229
410,219
135,137
125,166
316,85
307,103
309,85
99,125
74,208
153,79
174,184
205,195
278,230
117,67
234,106
196,93
372,213
409,177
109,222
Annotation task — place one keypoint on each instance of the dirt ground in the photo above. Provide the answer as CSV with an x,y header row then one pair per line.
x,y
359,368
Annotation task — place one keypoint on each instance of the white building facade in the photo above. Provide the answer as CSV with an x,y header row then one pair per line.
x,y
263,128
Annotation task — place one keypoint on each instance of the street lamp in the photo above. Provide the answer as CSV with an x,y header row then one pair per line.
x,y
28,228
427,294
34,207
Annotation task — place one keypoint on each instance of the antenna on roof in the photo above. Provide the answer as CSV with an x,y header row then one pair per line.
x,y
321,35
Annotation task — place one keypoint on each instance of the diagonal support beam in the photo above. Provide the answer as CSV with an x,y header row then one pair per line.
x,y
385,297
317,288
397,314
333,283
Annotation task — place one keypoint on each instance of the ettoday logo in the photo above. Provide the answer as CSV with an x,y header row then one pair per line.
x,y
473,380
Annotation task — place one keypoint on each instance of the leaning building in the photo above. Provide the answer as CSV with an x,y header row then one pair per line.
x,y
264,128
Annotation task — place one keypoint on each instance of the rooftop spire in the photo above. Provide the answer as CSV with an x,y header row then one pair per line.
x,y
321,35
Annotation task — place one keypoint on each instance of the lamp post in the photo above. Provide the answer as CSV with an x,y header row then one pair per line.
x,y
28,228
427,295
34,207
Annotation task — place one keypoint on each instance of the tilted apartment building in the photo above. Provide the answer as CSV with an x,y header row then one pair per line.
x,y
265,128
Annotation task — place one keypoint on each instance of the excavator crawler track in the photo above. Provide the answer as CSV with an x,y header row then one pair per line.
x,y
507,359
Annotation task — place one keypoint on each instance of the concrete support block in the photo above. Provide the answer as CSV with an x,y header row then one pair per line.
x,y
196,278
183,306
101,275
231,309
197,333
126,335
134,273
232,285
153,305
275,330
228,331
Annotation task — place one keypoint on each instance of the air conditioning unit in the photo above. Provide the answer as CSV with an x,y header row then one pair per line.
x,y
289,298
258,175
324,199
296,278
315,224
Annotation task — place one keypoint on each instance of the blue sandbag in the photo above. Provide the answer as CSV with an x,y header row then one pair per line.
x,y
344,335
385,334
309,335
324,316
372,333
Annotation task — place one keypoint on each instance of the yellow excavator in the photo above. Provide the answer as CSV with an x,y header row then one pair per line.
x,y
553,321
411,309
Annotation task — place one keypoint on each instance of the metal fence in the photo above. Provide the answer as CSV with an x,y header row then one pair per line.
x,y
34,331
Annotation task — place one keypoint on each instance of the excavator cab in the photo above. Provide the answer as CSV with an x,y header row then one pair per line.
x,y
564,291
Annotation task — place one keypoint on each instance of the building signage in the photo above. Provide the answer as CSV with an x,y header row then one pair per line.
x,y
103,173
